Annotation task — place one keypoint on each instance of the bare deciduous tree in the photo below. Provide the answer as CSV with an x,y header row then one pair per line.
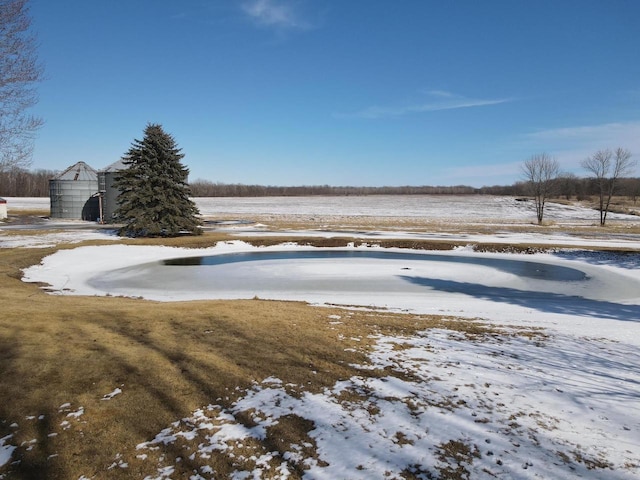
x,y
19,73
18,182
541,172
607,168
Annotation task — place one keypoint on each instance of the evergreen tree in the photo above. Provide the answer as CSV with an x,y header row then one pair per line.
x,y
154,195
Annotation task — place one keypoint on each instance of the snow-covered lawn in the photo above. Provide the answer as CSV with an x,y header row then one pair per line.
x,y
46,240
550,390
445,406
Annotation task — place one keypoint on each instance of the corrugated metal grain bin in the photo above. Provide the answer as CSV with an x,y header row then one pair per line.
x,y
106,178
3,208
73,193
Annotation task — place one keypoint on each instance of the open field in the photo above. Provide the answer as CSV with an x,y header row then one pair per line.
x,y
117,387
395,214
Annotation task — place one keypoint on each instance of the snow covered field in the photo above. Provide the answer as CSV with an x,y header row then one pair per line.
x,y
334,216
556,396
465,208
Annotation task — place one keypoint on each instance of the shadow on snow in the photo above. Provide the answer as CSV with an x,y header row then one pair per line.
x,y
541,301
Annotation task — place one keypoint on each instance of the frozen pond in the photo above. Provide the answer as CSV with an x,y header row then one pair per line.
x,y
537,270
366,277
541,290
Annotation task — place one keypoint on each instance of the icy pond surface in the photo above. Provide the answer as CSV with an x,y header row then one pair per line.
x,y
537,270
365,276
542,290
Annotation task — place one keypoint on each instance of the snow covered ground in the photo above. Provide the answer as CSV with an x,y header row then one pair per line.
x,y
561,401
393,210
464,208
18,204
557,408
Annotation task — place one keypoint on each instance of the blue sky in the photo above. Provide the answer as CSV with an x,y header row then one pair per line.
x,y
341,92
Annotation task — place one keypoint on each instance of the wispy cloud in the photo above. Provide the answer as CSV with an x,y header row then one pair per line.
x,y
573,144
438,100
594,133
441,93
280,14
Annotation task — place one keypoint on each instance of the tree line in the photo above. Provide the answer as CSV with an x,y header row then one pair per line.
x,y
205,188
20,182
567,187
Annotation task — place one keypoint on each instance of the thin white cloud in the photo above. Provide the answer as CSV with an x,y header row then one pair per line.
x,y
440,100
569,145
574,144
441,93
606,135
593,133
280,14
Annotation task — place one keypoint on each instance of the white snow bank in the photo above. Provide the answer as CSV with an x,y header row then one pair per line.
x,y
27,203
6,450
46,240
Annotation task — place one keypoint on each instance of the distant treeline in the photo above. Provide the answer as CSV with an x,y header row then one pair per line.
x,y
19,182
568,187
204,188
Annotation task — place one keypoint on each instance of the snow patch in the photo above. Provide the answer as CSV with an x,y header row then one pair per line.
x,y
109,396
6,450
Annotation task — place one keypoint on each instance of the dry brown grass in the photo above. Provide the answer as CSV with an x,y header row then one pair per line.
x,y
34,231
619,204
35,212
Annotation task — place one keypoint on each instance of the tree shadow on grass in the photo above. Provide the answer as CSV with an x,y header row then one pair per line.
x,y
542,301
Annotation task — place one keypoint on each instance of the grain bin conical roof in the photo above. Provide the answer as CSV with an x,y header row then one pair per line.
x,y
116,166
80,171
